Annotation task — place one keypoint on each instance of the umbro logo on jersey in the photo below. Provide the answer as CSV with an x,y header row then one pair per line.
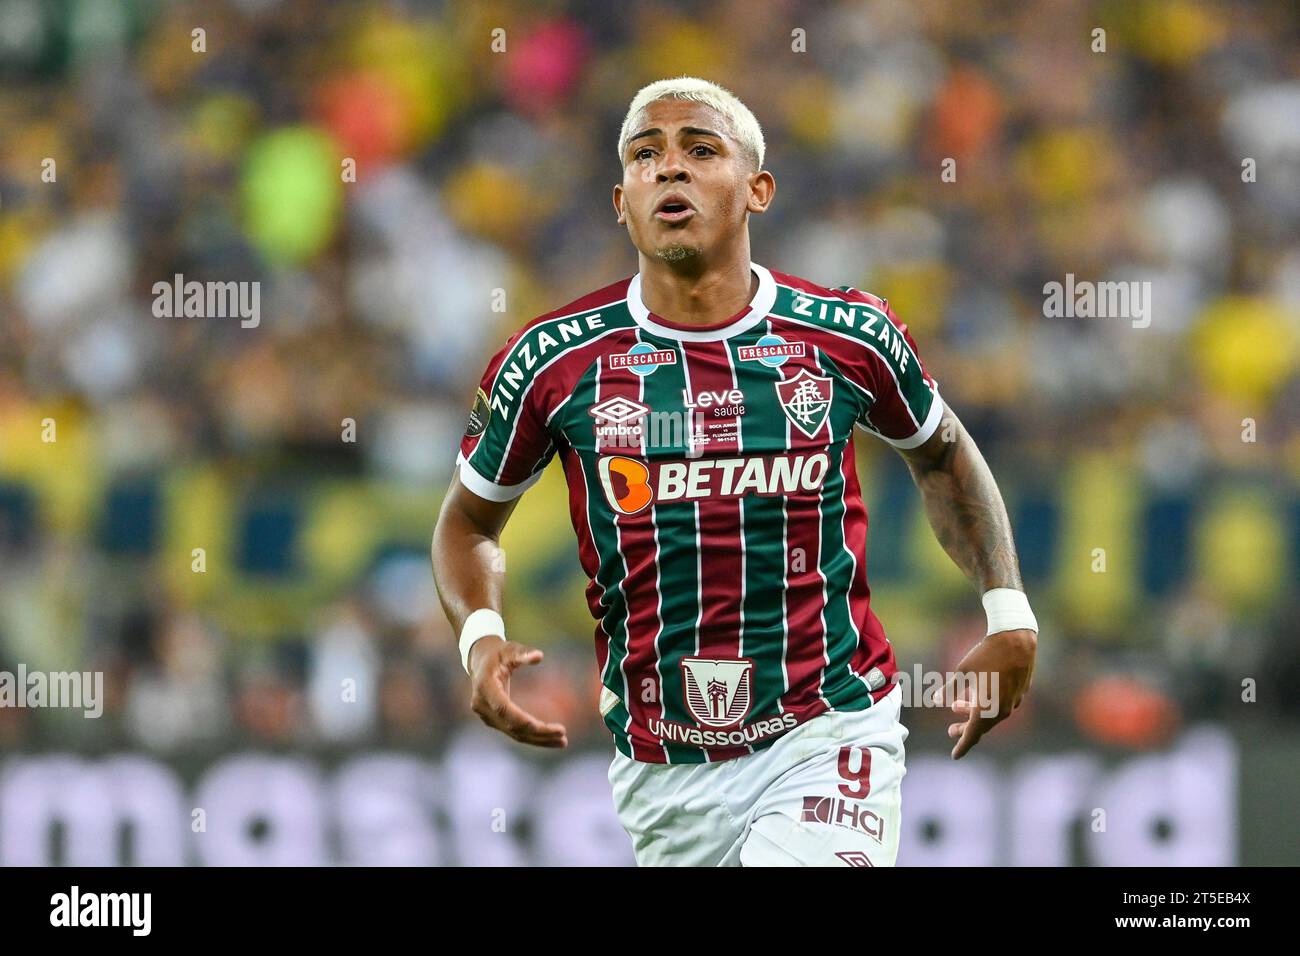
x,y
806,400
620,422
643,358
618,410
631,484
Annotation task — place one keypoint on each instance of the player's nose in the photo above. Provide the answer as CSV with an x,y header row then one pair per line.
x,y
673,168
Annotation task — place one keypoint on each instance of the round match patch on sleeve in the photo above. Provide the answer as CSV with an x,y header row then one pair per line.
x,y
478,415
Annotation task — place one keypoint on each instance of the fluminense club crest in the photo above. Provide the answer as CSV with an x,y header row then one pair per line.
x,y
717,691
806,400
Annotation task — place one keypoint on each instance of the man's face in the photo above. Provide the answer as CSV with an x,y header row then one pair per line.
x,y
687,186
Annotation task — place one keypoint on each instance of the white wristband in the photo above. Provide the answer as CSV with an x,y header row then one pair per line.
x,y
484,622
1008,610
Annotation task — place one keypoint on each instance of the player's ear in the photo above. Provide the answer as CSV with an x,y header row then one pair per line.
x,y
762,187
618,204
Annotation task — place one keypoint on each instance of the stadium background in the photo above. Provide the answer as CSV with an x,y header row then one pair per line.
x,y
479,174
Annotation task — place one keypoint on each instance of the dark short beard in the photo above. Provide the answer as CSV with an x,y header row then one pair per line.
x,y
677,252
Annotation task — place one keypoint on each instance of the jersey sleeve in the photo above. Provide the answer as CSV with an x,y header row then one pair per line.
x,y
905,406
506,444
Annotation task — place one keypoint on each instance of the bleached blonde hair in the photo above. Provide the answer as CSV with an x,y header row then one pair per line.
x,y
744,126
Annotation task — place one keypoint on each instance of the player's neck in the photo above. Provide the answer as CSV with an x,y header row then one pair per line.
x,y
704,295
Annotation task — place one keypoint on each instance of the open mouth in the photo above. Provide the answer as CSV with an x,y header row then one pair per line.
x,y
674,211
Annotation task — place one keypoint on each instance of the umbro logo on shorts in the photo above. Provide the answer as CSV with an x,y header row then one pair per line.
x,y
855,858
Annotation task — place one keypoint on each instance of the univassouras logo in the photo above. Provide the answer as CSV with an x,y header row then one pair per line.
x,y
717,692
674,732
81,690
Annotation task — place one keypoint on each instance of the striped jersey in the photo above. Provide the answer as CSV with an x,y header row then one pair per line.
x,y
714,495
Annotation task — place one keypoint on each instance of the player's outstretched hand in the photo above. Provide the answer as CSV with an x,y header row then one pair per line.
x,y
491,662
1004,664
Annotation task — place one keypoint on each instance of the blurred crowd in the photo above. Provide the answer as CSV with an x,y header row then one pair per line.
x,y
232,523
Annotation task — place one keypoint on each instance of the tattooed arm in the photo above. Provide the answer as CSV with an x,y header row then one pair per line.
x,y
964,505
965,510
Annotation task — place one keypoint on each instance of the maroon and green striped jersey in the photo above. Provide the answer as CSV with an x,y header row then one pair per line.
x,y
713,491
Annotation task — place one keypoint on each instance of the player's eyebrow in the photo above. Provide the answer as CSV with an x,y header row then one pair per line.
x,y
686,130
653,131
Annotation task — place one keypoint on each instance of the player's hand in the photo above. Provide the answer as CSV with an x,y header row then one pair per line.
x,y
491,662
1010,656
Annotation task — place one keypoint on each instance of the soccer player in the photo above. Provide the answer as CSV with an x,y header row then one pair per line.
x,y
704,411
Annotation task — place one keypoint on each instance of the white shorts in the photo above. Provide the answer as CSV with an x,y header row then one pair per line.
x,y
828,793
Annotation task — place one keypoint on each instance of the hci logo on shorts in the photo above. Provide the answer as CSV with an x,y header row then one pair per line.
x,y
806,400
717,692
